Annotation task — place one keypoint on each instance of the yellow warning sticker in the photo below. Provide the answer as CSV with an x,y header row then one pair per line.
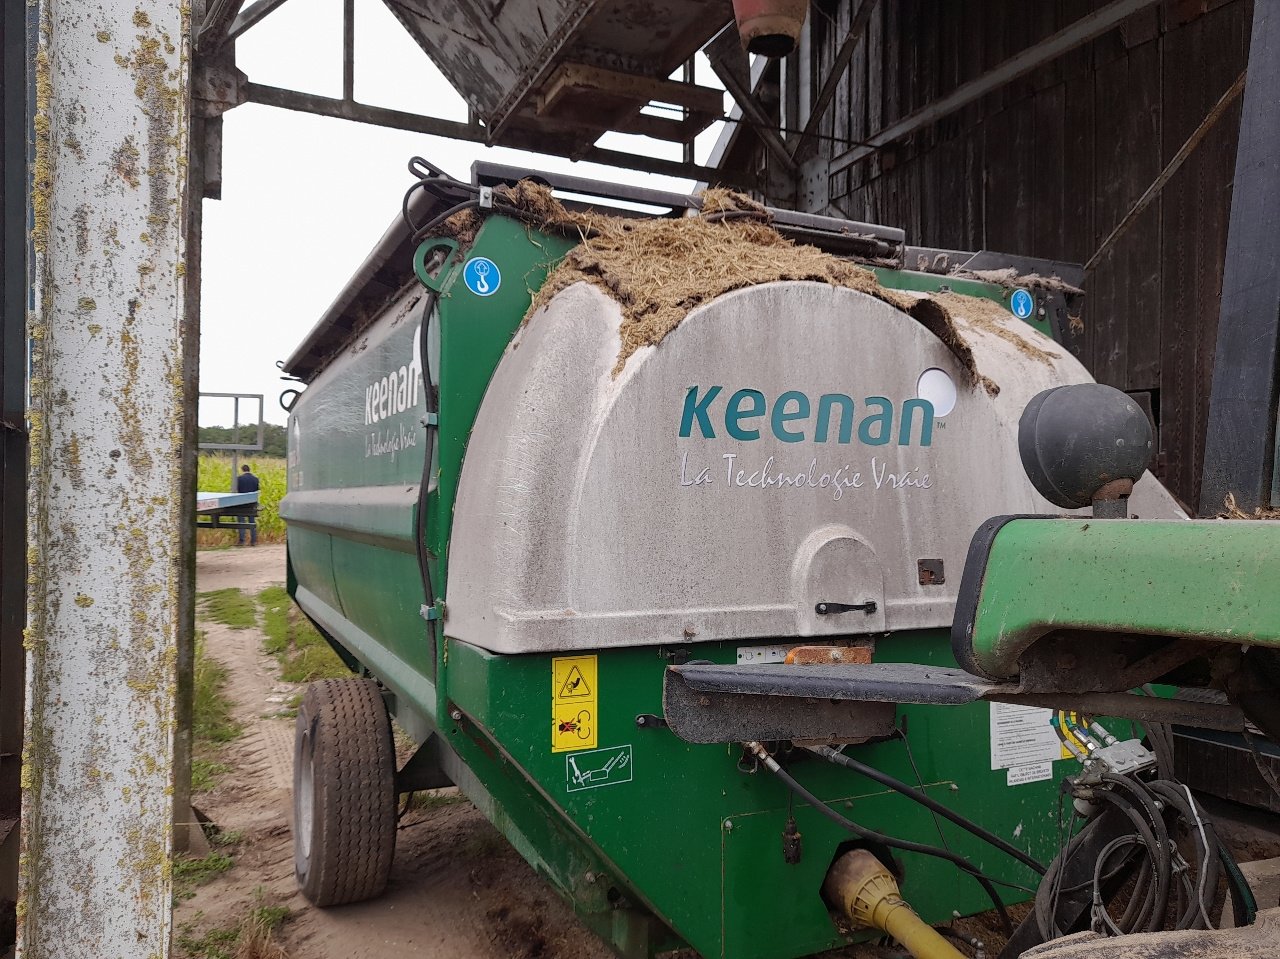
x,y
574,703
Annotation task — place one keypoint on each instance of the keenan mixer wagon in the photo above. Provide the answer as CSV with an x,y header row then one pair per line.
x,y
651,531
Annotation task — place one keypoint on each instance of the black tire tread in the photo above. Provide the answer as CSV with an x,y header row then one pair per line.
x,y
354,813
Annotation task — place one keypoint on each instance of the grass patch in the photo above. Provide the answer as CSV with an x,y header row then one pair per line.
x,y
214,944
302,652
436,798
189,873
252,938
211,721
211,710
205,774
231,607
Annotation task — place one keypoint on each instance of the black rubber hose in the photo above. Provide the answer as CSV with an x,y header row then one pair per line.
x,y
831,755
1148,915
893,843
1050,889
1242,899
1207,875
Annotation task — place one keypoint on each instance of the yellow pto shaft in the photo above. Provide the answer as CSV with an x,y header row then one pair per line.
x,y
861,886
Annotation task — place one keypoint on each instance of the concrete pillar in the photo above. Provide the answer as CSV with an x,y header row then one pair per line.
x,y
107,380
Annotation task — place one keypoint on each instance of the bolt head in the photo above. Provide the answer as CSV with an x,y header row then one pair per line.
x,y
455,714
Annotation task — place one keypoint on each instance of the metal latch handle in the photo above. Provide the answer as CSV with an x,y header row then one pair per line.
x,y
829,609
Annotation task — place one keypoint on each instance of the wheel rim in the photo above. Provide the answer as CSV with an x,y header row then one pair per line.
x,y
306,799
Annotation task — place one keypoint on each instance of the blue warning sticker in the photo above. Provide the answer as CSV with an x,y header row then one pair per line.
x,y
482,276
1022,304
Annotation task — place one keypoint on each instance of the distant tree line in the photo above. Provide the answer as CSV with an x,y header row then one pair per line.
x,y
273,438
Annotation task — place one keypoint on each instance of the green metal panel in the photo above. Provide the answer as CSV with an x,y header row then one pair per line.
x,y
700,843
933,283
1203,579
355,471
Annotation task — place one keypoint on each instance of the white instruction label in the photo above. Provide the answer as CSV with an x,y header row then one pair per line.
x,y
1031,773
1021,736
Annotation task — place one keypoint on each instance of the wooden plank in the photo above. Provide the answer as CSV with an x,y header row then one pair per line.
x,y
1108,327
875,41
854,89
975,165
893,41
1140,246
950,226
997,50
1078,62
1048,198
1010,148
1196,205
1079,235
1045,24
973,57
928,61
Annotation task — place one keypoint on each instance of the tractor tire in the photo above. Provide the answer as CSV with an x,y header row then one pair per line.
x,y
344,799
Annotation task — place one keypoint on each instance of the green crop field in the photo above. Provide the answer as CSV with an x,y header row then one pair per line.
x,y
215,477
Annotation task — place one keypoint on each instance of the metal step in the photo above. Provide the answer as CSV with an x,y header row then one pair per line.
x,y
710,703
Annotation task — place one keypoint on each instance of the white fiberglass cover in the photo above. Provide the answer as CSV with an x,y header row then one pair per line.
x,y
788,445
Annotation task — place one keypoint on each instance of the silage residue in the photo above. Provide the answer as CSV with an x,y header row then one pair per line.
x,y
658,270
1233,511
988,316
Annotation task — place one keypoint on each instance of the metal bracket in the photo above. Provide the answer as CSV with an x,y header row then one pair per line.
x,y
433,612
433,282
650,721
430,419
486,198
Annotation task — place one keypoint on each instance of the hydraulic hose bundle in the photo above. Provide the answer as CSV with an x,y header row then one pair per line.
x,y
1165,889
1128,857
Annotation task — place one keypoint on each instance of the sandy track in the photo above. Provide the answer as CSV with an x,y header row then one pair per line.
x,y
457,890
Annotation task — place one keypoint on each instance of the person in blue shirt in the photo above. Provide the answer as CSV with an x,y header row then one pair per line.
x,y
246,482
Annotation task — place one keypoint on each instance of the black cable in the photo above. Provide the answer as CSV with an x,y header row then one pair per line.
x,y
1242,900
429,400
893,843
884,779
1147,914
906,744
1207,839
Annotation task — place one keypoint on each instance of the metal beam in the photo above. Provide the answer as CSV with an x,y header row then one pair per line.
x,y
731,66
250,15
1240,439
359,112
349,50
472,133
838,67
211,28
107,345
13,442
1088,27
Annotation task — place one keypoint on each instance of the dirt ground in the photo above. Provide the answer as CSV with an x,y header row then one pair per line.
x,y
457,890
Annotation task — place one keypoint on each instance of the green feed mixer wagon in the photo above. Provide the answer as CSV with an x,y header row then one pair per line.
x,y
656,533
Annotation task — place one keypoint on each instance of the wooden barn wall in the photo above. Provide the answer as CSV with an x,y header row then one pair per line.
x,y
1047,167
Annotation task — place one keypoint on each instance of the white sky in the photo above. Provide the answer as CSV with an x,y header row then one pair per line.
x,y
305,197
